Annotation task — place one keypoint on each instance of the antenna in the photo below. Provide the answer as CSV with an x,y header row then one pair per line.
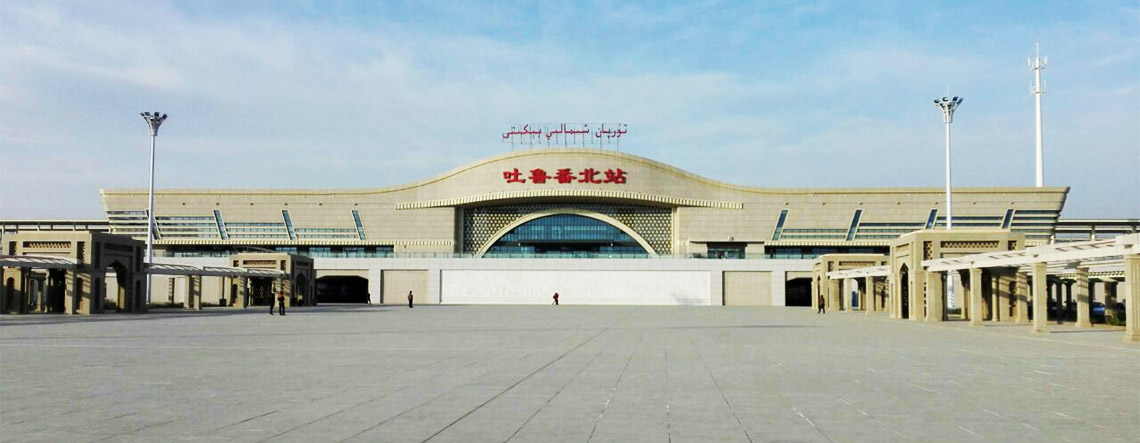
x,y
1037,64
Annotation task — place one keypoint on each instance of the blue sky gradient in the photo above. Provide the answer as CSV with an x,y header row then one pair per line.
x,y
368,94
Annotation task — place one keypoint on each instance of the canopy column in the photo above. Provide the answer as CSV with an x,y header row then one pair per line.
x,y
916,278
241,299
961,293
832,299
934,298
1132,307
71,292
1021,298
1040,298
976,297
872,295
193,292
1082,295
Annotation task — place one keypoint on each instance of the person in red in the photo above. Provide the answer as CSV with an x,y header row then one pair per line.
x,y
280,302
555,299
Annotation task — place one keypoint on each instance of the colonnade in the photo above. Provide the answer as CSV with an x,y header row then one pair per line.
x,y
1003,294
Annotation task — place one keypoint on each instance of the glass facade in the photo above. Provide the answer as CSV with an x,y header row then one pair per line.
x,y
566,235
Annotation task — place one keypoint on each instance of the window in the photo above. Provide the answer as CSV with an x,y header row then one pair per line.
x,y
780,225
854,224
289,225
359,225
726,250
566,235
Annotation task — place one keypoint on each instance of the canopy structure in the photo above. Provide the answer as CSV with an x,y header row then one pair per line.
x,y
211,271
870,271
36,261
1105,255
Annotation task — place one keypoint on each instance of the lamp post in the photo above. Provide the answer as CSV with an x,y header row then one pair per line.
x,y
153,121
948,105
1036,65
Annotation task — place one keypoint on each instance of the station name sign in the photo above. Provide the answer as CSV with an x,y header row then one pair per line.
x,y
566,134
566,176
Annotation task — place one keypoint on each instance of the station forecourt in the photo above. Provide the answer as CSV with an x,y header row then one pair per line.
x,y
598,226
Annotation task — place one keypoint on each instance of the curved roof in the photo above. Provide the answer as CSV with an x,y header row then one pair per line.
x,y
622,157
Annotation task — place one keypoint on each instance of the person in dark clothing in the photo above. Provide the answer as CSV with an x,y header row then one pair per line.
x,y
281,301
555,299
821,308
410,305
271,302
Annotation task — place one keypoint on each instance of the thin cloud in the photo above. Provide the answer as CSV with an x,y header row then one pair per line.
x,y
268,100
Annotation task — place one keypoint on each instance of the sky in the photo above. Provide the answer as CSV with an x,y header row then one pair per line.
x,y
368,94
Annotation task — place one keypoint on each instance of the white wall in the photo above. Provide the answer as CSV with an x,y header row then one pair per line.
x,y
575,287
642,280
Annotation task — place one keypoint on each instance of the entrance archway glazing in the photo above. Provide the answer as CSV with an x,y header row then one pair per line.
x,y
566,235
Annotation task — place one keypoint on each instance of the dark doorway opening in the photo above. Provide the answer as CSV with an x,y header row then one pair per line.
x,y
797,292
342,289
904,292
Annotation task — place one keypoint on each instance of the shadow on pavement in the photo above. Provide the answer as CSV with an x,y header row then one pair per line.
x,y
168,313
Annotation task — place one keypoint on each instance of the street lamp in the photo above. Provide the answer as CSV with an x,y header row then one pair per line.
x,y
153,121
948,105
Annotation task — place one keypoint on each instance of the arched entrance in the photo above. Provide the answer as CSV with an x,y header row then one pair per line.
x,y
342,289
10,294
566,233
904,292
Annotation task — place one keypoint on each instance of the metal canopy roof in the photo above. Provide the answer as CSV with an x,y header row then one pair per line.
x,y
213,271
48,262
869,271
1089,253
36,261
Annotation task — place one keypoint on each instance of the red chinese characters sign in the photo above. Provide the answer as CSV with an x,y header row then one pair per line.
x,y
565,176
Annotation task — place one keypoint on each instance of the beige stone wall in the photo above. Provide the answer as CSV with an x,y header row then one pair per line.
x,y
422,216
745,288
397,283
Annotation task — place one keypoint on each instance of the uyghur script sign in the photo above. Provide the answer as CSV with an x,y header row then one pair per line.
x,y
566,176
566,134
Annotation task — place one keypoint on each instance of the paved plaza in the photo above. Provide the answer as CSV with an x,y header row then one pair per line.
x,y
553,374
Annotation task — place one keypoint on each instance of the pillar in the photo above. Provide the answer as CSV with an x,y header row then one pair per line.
x,y
815,291
193,292
86,293
934,300
893,295
1082,295
1040,298
1059,300
995,296
832,297
1009,294
961,294
241,299
976,297
1109,298
1132,307
70,286
870,298
1021,298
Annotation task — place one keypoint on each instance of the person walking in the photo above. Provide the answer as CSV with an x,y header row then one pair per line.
x,y
281,301
821,308
271,301
555,299
410,304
